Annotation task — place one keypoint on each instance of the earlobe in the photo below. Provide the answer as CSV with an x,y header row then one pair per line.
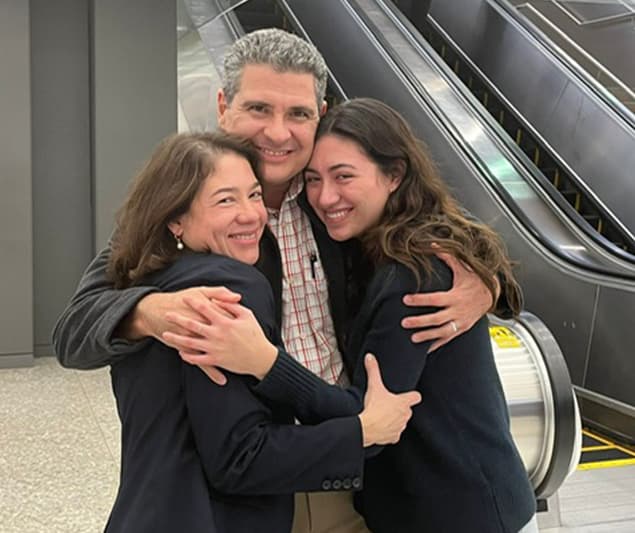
x,y
175,228
323,108
397,175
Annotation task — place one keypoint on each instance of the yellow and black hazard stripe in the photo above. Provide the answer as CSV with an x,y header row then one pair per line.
x,y
600,452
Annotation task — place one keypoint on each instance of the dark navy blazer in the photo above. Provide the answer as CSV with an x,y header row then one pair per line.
x,y
198,457
456,468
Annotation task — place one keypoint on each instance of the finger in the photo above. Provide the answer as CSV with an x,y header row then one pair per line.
x,y
188,324
425,321
433,334
220,293
171,339
372,372
180,342
214,374
233,310
205,308
197,359
455,264
411,398
429,299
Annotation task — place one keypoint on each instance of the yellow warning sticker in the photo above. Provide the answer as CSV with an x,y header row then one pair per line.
x,y
503,337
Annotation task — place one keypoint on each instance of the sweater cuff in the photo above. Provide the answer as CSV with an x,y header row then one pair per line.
x,y
288,382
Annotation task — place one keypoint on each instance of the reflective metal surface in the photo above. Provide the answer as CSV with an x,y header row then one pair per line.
x,y
545,421
596,143
203,37
566,297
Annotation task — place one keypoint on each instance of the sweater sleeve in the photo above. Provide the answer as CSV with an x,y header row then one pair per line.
x,y
400,360
245,447
83,335
244,452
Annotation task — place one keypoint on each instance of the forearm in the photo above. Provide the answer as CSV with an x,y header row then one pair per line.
x,y
312,399
244,452
84,335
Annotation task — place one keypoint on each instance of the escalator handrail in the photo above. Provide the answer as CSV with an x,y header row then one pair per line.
x,y
564,405
563,58
535,174
509,149
340,93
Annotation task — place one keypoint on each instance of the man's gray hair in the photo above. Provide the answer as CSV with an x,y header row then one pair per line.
x,y
283,51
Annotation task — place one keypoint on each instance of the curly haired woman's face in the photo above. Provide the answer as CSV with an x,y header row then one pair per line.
x,y
346,188
227,215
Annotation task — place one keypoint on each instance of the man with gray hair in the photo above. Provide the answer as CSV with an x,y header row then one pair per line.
x,y
273,94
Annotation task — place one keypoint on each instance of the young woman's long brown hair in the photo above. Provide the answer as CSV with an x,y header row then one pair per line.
x,y
421,217
161,192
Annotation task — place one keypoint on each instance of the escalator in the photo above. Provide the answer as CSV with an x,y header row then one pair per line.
x,y
576,284
547,105
535,378
602,128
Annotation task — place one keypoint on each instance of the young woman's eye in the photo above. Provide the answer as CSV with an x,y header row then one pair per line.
x,y
343,176
311,179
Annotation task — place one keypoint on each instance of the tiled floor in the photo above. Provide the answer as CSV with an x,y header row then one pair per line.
x,y
59,448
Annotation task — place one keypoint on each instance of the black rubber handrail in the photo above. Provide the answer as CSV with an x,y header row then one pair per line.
x,y
507,147
610,237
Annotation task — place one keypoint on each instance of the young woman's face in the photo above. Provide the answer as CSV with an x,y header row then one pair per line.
x,y
346,188
227,215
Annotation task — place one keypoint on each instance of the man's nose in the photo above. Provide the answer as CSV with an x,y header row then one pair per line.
x,y
277,130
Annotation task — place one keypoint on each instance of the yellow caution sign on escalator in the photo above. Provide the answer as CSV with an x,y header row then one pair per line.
x,y
504,337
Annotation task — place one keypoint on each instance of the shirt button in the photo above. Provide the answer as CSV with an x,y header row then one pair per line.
x,y
326,485
337,484
357,483
347,483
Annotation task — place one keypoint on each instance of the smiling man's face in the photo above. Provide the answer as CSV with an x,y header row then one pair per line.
x,y
278,112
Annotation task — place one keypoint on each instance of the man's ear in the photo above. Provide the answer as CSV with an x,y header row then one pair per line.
x,y
221,105
323,108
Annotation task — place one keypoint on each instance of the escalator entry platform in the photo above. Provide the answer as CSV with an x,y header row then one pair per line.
x,y
600,452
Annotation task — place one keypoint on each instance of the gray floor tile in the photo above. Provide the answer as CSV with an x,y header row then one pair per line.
x,y
59,455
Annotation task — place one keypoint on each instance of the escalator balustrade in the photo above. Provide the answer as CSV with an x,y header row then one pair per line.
x,y
559,179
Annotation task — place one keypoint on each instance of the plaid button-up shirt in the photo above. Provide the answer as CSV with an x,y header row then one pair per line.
x,y
307,326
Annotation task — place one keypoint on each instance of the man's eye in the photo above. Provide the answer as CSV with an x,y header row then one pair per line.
x,y
256,108
301,114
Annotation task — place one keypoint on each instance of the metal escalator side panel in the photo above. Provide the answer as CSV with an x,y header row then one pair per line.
x,y
596,143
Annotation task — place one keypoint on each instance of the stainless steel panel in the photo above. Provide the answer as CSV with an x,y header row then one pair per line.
x,y
583,130
611,369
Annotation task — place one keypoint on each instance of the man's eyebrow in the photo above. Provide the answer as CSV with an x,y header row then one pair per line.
x,y
248,103
305,109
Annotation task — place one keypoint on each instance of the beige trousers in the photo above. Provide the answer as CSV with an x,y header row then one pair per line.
x,y
326,512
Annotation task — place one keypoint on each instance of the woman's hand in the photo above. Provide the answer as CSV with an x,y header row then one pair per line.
x,y
385,414
228,337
